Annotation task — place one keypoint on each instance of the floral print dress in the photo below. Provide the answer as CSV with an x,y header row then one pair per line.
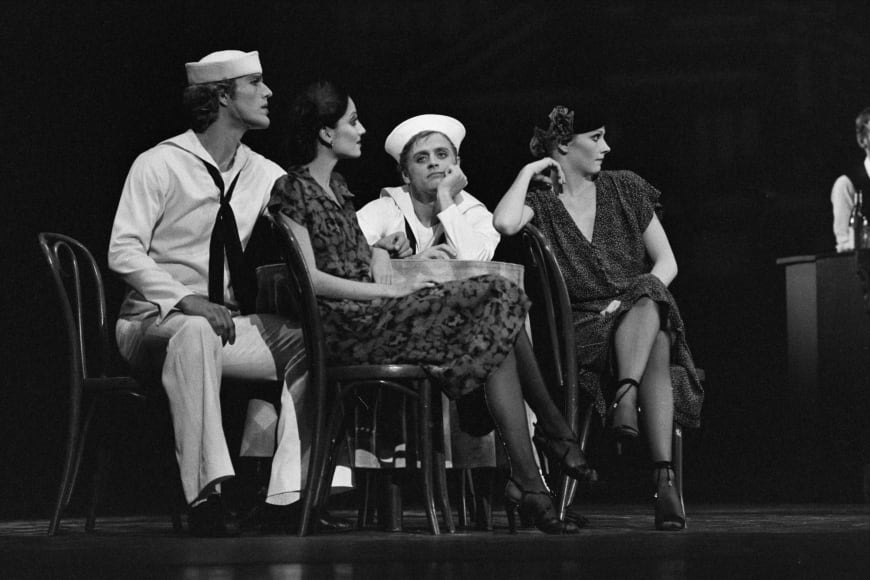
x,y
460,331
614,265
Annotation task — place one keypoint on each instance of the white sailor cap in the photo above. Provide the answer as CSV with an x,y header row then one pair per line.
x,y
405,131
221,65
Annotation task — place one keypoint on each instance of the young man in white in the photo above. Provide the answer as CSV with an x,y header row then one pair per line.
x,y
845,187
187,210
431,215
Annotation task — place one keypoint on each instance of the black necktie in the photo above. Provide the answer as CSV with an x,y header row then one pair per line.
x,y
225,238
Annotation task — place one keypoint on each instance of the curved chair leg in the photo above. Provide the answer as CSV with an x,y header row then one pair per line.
x,y
677,455
439,406
319,462
98,485
66,483
569,486
466,487
364,511
444,499
426,467
76,439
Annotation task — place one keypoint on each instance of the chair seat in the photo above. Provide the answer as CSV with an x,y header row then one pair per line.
x,y
376,372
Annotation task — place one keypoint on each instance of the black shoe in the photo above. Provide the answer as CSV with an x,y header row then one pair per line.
x,y
211,519
285,519
329,523
537,507
564,452
573,515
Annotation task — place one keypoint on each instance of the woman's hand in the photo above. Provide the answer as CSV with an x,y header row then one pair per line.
x,y
611,308
406,288
396,244
543,169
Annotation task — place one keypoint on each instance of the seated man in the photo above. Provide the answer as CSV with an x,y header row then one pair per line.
x,y
845,187
187,210
431,216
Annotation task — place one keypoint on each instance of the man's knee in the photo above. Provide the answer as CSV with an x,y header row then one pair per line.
x,y
194,334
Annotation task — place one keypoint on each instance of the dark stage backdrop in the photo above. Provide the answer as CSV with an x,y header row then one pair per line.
x,y
741,113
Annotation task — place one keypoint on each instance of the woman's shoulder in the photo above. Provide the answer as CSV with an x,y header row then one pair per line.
x,y
624,177
630,183
294,183
294,173
635,192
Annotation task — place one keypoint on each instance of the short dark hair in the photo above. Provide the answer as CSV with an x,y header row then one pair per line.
x,y
321,104
562,124
202,102
862,130
406,150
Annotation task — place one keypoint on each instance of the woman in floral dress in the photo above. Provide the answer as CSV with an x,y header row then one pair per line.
x,y
618,263
468,334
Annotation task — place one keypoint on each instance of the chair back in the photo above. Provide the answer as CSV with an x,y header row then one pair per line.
x,y
82,296
551,318
301,297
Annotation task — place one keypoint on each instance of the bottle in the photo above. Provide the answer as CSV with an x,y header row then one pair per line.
x,y
858,224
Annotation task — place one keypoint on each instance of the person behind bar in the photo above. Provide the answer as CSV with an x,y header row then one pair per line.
x,y
468,334
618,263
845,187
186,213
431,215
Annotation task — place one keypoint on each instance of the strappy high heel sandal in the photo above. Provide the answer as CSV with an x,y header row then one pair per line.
x,y
670,511
624,429
557,450
536,507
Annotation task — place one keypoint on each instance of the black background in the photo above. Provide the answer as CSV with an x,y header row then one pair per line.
x,y
740,113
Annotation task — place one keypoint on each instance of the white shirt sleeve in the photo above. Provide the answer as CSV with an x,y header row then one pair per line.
x,y
379,218
842,200
141,205
468,228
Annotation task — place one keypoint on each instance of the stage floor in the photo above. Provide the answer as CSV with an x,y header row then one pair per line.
x,y
722,541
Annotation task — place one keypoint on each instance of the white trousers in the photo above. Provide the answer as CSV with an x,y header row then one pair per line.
x,y
193,363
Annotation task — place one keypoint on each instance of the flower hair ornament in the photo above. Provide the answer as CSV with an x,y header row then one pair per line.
x,y
561,128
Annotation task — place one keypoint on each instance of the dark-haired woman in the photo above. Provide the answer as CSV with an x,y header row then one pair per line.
x,y
468,333
618,263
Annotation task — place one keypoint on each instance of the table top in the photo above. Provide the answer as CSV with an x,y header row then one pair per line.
x,y
445,270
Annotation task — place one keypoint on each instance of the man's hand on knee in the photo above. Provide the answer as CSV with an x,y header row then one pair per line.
x,y
218,316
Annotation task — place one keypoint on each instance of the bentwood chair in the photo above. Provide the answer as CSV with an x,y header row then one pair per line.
x,y
554,341
554,344
333,388
94,393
